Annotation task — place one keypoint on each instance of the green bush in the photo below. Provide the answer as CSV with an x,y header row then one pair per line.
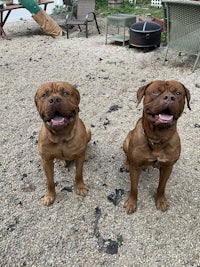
x,y
142,7
128,7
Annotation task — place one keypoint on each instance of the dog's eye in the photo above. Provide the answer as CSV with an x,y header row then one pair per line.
x,y
155,92
44,95
66,93
178,93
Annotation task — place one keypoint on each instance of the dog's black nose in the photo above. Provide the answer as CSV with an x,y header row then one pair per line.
x,y
168,98
54,100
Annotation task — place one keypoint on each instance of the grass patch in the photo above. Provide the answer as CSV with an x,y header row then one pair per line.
x,y
141,8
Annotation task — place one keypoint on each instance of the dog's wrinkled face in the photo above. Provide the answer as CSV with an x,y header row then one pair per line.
x,y
163,102
57,104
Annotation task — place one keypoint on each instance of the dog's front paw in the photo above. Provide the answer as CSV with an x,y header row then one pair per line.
x,y
82,189
162,203
49,198
130,205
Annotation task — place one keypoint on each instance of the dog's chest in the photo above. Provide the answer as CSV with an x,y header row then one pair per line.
x,y
160,157
158,161
162,153
62,150
68,151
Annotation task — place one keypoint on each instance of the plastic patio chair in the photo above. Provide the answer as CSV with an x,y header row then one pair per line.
x,y
85,14
183,27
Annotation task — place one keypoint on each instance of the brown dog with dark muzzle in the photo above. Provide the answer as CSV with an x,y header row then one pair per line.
x,y
63,135
154,140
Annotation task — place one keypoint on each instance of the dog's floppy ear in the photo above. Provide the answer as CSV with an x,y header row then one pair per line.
x,y
141,92
35,99
187,96
77,94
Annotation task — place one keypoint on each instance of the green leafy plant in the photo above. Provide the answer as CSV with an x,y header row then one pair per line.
x,y
58,9
142,7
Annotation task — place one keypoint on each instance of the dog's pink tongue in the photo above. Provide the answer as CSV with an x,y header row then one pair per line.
x,y
57,120
165,118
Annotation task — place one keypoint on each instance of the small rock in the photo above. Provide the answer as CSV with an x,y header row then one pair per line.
x,y
116,197
11,227
123,169
28,187
106,122
67,188
112,247
114,107
197,85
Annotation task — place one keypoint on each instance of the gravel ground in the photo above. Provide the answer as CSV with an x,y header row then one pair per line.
x,y
94,230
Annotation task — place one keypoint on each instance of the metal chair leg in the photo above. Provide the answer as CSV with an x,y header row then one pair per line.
x,y
86,27
96,24
67,31
165,58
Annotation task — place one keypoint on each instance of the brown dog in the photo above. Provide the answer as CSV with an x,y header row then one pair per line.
x,y
63,135
154,140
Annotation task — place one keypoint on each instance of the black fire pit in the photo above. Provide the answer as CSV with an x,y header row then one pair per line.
x,y
145,34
